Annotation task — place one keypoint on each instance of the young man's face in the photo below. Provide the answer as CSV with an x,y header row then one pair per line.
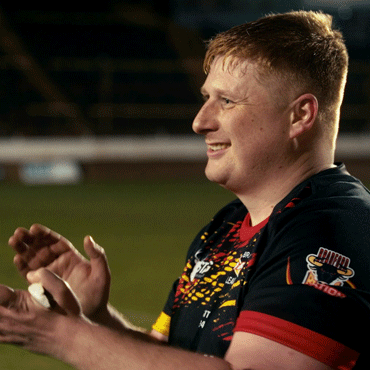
x,y
246,131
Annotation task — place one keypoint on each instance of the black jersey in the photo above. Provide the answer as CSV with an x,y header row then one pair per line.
x,y
301,279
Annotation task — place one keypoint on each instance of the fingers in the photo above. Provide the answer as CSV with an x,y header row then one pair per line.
x,y
43,235
21,265
57,243
20,239
98,259
36,237
58,288
37,247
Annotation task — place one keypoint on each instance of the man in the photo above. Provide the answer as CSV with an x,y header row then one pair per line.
x,y
280,278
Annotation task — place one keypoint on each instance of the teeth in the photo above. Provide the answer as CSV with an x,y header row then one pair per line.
x,y
216,147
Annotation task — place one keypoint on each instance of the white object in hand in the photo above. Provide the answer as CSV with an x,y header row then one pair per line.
x,y
39,294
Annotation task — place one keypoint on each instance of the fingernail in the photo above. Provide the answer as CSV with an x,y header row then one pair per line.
x,y
30,274
97,246
33,276
93,243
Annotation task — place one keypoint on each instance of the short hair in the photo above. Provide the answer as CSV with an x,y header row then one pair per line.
x,y
299,47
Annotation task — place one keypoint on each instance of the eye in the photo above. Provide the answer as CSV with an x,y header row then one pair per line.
x,y
227,102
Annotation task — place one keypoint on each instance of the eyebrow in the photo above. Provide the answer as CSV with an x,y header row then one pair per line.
x,y
225,93
220,92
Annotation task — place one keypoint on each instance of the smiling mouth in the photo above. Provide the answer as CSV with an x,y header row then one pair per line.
x,y
217,147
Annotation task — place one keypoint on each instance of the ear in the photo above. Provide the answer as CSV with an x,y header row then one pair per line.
x,y
303,114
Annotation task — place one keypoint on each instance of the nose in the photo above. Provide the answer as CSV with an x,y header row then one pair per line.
x,y
205,120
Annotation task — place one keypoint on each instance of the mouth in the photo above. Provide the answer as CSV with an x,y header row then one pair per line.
x,y
218,147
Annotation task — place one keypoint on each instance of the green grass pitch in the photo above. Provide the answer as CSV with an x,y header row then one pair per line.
x,y
145,228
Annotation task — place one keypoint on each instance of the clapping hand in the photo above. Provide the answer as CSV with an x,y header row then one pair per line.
x,y
23,321
89,279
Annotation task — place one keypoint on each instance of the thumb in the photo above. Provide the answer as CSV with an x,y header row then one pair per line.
x,y
98,258
57,288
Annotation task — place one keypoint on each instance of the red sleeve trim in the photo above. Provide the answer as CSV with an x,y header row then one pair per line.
x,y
318,346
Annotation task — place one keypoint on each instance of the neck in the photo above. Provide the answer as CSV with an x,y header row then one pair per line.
x,y
261,201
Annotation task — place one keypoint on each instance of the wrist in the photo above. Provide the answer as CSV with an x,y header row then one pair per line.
x,y
80,343
109,317
101,316
67,339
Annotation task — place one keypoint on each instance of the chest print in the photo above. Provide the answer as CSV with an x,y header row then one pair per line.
x,y
212,283
212,267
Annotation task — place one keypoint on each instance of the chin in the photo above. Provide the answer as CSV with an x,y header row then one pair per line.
x,y
216,177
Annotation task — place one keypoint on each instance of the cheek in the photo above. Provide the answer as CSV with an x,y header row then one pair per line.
x,y
260,126
257,146
251,137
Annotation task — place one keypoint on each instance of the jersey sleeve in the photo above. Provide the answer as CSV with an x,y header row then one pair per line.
x,y
306,287
163,322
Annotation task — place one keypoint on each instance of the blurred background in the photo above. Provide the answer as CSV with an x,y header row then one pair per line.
x,y
85,91
96,106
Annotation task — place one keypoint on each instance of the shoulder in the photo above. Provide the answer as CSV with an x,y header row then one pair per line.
x,y
329,197
330,214
332,205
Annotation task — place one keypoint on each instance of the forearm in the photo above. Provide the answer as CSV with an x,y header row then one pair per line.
x,y
99,348
111,318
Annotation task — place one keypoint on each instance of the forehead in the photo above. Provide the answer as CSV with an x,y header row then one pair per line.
x,y
234,67
232,75
247,78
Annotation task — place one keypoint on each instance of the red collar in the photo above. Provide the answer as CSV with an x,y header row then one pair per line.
x,y
247,231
